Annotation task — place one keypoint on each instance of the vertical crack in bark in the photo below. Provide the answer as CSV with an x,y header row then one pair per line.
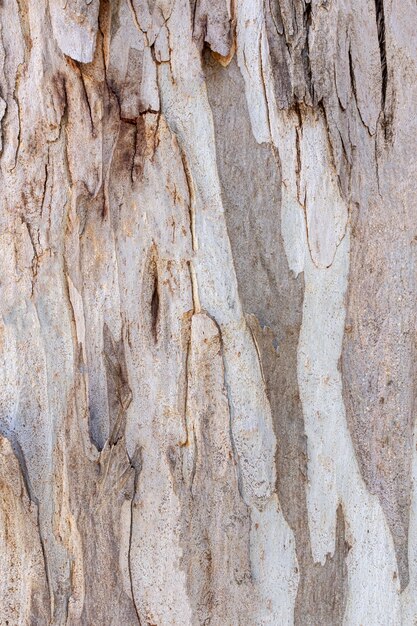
x,y
298,138
192,199
45,183
380,23
136,138
119,393
87,101
264,88
186,376
136,464
19,113
386,116
45,561
354,90
231,418
151,297
305,54
194,288
155,307
35,245
194,243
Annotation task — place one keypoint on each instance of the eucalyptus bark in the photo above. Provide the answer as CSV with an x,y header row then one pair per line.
x,y
208,292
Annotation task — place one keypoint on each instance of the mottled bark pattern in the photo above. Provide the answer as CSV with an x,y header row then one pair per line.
x,y
207,296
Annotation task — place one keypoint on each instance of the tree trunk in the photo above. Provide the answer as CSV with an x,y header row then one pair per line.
x,y
208,294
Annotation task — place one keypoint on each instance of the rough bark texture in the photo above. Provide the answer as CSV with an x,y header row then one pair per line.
x,y
208,242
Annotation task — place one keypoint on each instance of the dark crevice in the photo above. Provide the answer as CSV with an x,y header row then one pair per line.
x,y
155,308
151,297
306,50
94,428
186,382
275,13
78,66
386,116
119,393
136,465
136,139
380,24
352,78
354,90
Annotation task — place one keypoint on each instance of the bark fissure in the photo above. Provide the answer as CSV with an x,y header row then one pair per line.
x,y
207,297
155,307
380,20
136,465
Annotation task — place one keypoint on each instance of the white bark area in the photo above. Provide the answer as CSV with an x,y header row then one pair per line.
x,y
207,329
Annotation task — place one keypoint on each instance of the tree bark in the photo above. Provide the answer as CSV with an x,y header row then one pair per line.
x,y
207,331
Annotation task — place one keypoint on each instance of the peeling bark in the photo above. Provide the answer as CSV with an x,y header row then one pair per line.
x,y
207,337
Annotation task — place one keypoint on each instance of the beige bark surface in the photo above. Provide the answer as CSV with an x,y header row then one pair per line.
x,y
208,281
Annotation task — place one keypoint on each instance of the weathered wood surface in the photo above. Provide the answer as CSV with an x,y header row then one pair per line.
x,y
208,286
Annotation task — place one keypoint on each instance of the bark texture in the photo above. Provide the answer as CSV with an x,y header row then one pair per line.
x,y
208,242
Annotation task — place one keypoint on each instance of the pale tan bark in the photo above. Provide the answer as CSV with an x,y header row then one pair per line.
x,y
207,331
